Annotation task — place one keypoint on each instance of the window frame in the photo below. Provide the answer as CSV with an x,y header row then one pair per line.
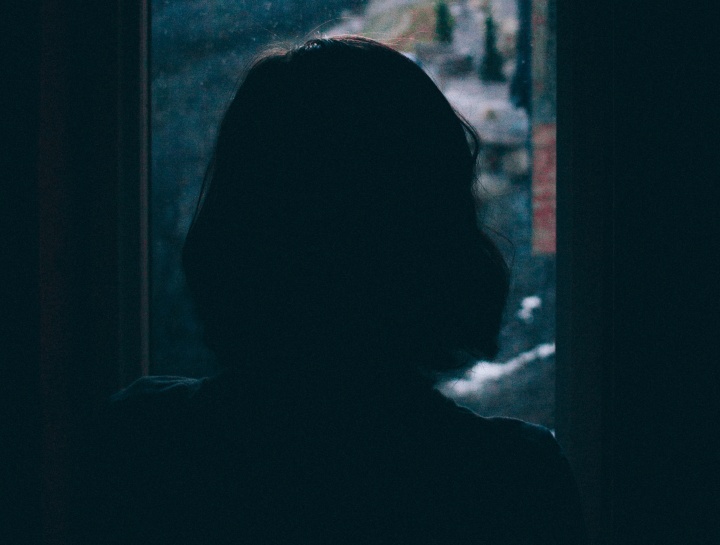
x,y
585,256
134,141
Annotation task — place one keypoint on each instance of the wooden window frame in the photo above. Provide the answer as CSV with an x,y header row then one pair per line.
x,y
134,189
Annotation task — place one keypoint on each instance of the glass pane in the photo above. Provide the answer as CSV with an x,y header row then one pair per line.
x,y
494,60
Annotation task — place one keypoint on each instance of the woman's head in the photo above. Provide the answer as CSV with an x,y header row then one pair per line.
x,y
338,212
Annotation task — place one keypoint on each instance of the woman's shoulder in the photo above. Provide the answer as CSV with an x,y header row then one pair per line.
x,y
152,407
505,433
511,468
159,388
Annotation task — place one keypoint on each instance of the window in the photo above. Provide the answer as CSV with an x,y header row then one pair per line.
x,y
479,53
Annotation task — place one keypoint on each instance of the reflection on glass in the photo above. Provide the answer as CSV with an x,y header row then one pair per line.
x,y
478,52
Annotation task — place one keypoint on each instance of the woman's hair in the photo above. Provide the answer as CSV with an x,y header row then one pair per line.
x,y
338,212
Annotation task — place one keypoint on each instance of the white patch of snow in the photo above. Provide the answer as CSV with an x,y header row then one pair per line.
x,y
484,372
527,306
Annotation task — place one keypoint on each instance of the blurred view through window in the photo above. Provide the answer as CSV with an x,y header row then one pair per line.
x,y
493,59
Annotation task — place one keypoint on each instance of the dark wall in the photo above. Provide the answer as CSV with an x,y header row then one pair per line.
x,y
61,168
665,374
638,134
20,417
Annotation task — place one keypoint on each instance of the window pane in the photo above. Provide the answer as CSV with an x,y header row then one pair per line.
x,y
480,55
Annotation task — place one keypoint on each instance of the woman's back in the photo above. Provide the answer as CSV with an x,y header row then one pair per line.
x,y
203,461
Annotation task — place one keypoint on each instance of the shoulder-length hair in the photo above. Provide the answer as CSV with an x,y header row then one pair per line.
x,y
338,212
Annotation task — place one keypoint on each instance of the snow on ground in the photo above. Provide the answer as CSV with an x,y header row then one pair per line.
x,y
528,305
483,372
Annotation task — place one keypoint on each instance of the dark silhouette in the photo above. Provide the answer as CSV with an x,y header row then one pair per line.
x,y
337,266
491,66
521,82
443,23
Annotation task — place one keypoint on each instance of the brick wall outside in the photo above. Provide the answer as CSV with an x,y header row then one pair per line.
x,y
543,188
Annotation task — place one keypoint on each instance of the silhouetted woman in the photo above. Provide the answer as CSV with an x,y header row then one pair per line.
x,y
336,264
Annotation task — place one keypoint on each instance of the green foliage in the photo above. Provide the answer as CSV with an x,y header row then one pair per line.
x,y
443,23
492,63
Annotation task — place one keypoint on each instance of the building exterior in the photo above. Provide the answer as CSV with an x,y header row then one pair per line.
x,y
544,124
